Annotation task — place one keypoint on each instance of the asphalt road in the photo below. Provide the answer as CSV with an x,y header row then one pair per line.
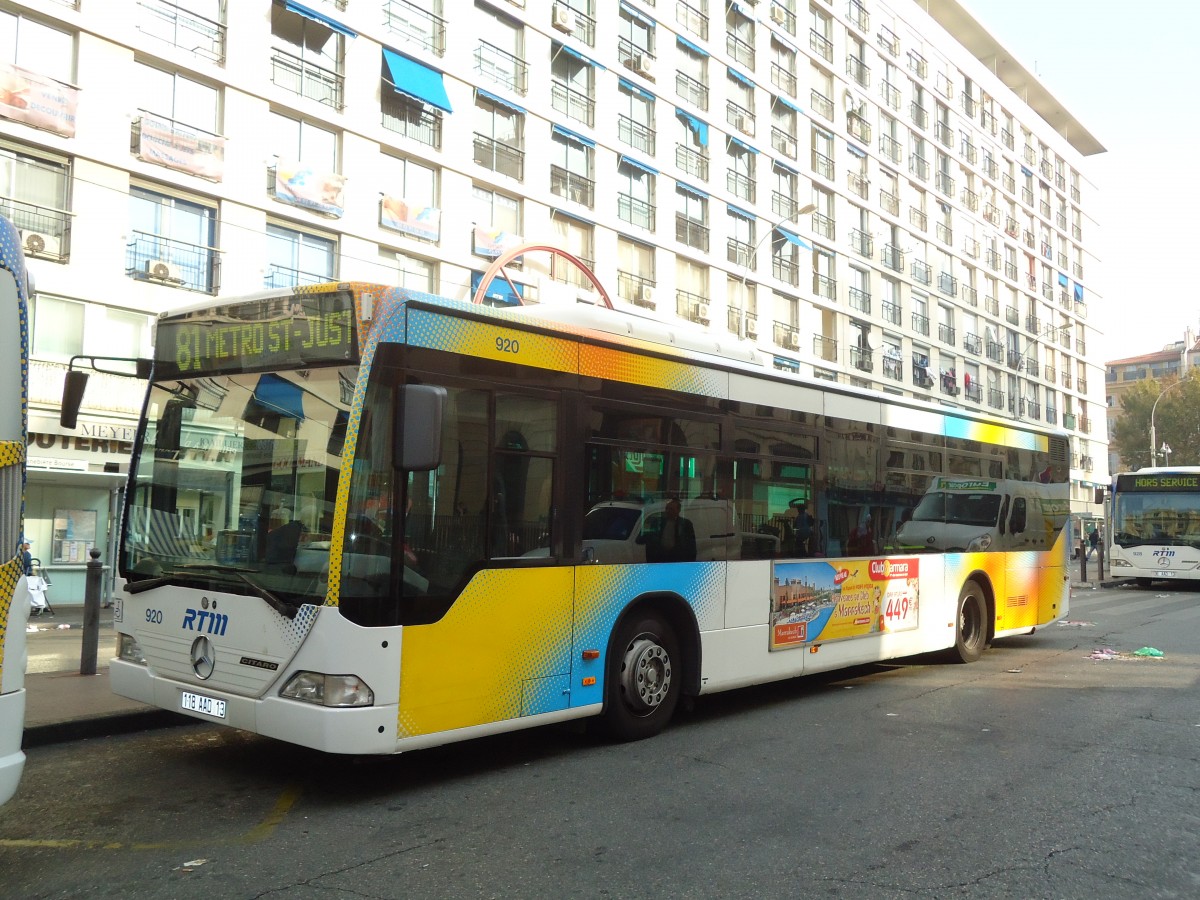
x,y
1037,772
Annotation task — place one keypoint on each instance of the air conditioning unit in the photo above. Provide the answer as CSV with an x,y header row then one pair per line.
x,y
745,124
702,312
161,270
751,324
778,15
644,296
563,18
792,340
39,244
788,145
643,64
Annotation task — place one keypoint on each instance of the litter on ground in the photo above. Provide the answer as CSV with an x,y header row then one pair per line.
x,y
1104,653
1073,622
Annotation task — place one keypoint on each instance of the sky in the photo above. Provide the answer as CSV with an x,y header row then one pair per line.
x,y
1128,73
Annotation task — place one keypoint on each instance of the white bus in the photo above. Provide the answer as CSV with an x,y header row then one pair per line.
x,y
1155,525
357,520
14,592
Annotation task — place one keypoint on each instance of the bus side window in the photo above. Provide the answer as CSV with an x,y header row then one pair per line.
x,y
1017,523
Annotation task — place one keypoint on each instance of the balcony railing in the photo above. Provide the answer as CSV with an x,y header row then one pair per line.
x,y
1014,360
858,184
786,335
991,306
858,127
821,104
1011,315
783,142
1007,137
917,64
920,323
572,103
824,286
740,118
182,28
825,348
821,45
499,157
1010,271
278,276
974,392
691,19
889,202
861,359
412,119
970,295
822,165
943,132
572,186
945,184
858,70
918,218
890,94
946,334
918,114
862,242
890,148
944,233
995,351
972,343
501,67
783,205
786,270
159,260
45,232
893,366
691,161
740,50
892,258
740,185
695,92
637,289
992,257
860,300
824,225
692,306
585,26
891,312
858,16
921,272
947,284
1081,382
740,253
968,151
919,166
689,231
636,212
970,247
995,398
783,79
1051,415
299,76
415,25
635,134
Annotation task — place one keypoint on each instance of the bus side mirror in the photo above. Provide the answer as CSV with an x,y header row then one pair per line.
x,y
72,397
417,442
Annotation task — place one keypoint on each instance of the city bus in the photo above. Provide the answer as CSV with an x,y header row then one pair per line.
x,y
1155,524
369,520
14,591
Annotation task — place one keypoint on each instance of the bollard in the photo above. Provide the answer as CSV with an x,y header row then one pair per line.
x,y
1082,560
91,615
1100,560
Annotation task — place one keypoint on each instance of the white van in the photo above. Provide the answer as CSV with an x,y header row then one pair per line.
x,y
972,514
611,529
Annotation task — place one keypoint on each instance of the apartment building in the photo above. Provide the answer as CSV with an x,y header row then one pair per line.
x,y
872,194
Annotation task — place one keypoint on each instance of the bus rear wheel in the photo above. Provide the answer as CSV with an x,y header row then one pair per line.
x,y
643,678
970,634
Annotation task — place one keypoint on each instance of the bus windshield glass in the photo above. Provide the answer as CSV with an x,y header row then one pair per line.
x,y
236,479
1158,517
975,508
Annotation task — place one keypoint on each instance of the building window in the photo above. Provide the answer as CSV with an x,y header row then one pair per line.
x,y
739,177
191,25
500,59
33,196
409,198
739,37
177,97
308,58
783,194
691,218
572,85
499,138
635,197
57,328
298,257
177,124
635,122
740,244
691,151
571,167
64,328
783,66
39,48
691,290
636,273
417,23
635,42
171,241
576,238
411,272
691,76
498,214
295,139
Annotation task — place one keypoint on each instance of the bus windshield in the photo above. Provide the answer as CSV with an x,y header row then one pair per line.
x,y
235,482
1159,517
974,508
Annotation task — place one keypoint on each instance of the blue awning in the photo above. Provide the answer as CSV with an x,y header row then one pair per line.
x,y
693,47
579,56
786,167
567,214
793,238
742,144
416,80
633,88
1062,279
301,10
278,395
567,133
738,8
700,128
639,165
792,106
741,212
856,151
1025,171
738,76
696,192
499,101
498,290
1078,292
788,365
640,16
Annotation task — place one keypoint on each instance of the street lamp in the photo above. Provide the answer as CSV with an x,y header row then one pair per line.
x,y
802,211
1165,450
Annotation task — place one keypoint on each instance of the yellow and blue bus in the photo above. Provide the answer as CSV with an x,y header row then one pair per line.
x,y
14,591
369,520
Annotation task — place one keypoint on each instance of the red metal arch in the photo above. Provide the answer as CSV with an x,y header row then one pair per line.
x,y
498,264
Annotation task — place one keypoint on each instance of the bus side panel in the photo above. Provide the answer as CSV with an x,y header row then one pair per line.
x,y
14,614
503,650
603,592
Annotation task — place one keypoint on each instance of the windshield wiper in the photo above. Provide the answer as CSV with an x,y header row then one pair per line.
x,y
274,602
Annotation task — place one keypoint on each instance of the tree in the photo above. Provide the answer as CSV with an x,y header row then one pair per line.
x,y
1176,421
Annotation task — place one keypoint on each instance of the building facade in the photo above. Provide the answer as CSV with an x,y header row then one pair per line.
x,y
871,193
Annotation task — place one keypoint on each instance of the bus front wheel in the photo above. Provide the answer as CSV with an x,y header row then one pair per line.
x,y
644,678
970,635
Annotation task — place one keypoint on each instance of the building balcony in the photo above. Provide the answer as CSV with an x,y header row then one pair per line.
x,y
891,312
944,233
918,114
691,90
781,15
825,348
635,134
995,351
860,300
740,50
921,272
862,242
893,367
636,212
991,306
821,104
820,45
740,185
278,276
947,284
973,344
858,16
740,118
412,119
970,295
858,127
45,232
995,398
693,307
499,157
918,219
920,324
691,162
824,286
784,206
784,80
181,28
890,148
299,76
572,103
917,64
889,202
858,184
892,258
858,70
637,289
572,186
862,359
784,143
501,67
919,166
946,334
786,270
945,184
690,232
415,26
171,263
974,392
786,335
822,165
824,226
890,95
740,253
691,18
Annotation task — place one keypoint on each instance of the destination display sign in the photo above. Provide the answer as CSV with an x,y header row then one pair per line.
x,y
279,333
1162,481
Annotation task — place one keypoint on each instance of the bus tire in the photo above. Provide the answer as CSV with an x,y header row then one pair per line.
x,y
971,628
1142,582
644,678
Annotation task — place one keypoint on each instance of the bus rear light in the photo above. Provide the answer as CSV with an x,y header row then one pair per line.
x,y
328,690
130,650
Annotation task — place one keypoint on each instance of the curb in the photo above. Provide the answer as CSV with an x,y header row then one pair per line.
x,y
102,726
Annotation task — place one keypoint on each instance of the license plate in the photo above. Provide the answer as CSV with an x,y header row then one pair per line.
x,y
208,706
1165,574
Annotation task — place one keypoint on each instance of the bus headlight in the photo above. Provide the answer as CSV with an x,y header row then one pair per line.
x,y
980,543
1117,563
328,690
130,650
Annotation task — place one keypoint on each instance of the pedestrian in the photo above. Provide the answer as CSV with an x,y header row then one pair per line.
x,y
1093,541
26,559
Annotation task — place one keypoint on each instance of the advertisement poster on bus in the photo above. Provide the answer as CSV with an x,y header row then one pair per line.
x,y
822,601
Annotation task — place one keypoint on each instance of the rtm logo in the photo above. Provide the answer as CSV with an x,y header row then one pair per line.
x,y
1159,554
204,621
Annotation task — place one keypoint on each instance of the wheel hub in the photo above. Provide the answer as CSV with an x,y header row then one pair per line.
x,y
647,675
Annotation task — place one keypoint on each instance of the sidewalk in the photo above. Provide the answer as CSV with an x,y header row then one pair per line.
x,y
62,705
